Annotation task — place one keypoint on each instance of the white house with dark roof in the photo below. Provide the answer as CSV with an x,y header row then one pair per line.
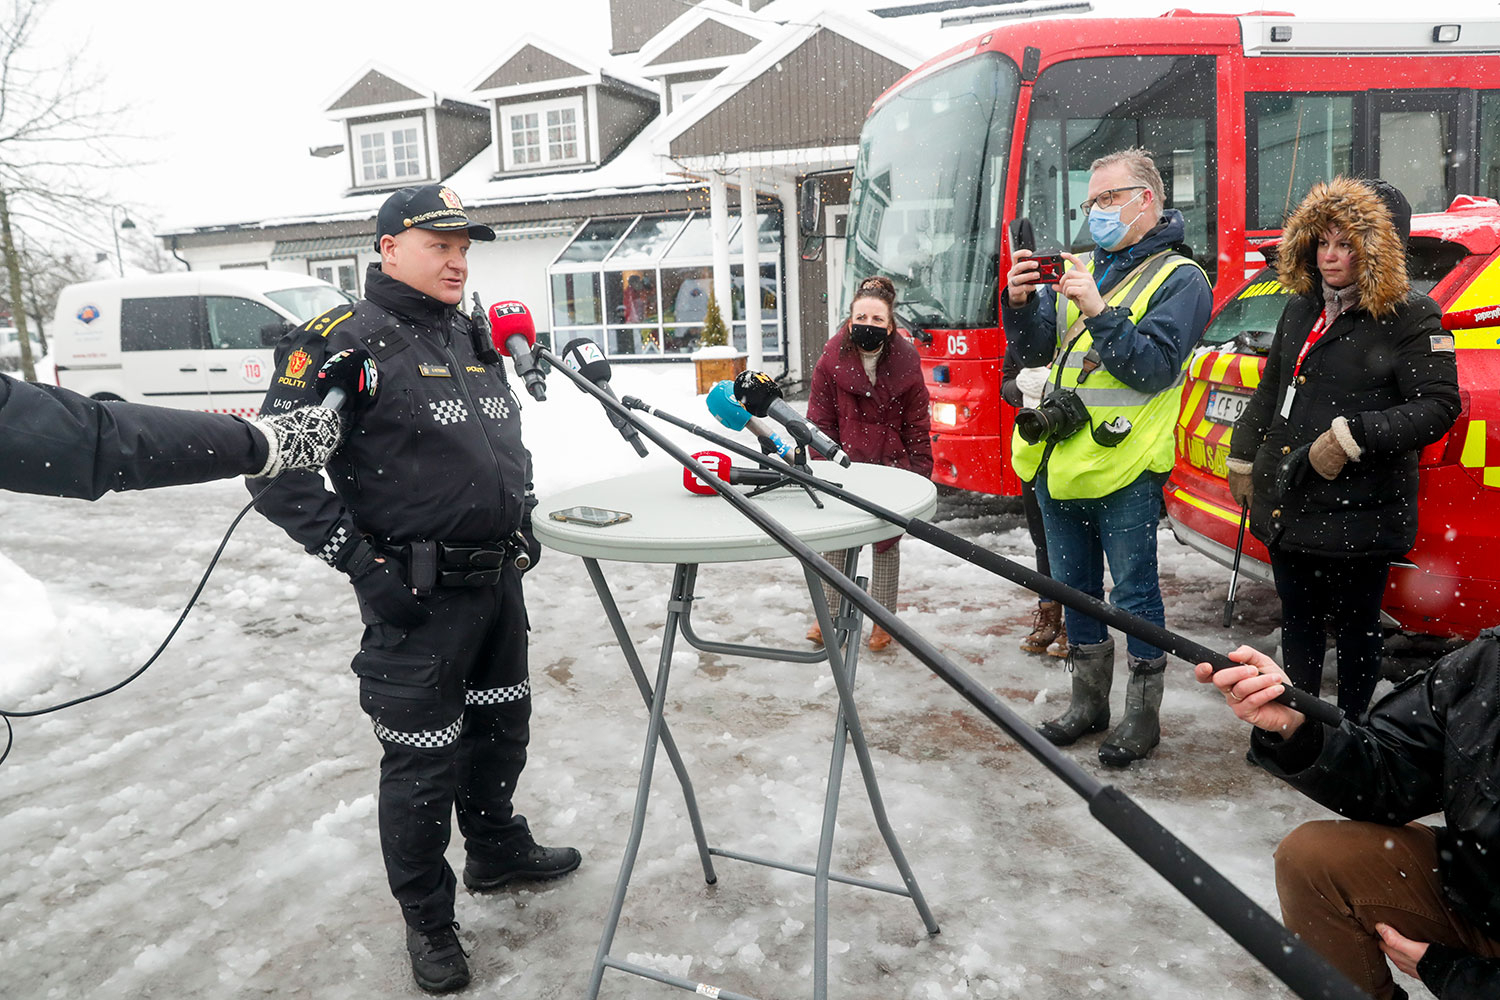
x,y
614,179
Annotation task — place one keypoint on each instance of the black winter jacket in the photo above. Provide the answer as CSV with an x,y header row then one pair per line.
x,y
1395,381
1432,744
58,443
436,457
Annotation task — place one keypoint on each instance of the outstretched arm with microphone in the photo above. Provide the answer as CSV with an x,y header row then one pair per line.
x,y
56,442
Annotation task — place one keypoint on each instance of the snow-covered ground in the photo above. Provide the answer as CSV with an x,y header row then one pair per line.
x,y
210,830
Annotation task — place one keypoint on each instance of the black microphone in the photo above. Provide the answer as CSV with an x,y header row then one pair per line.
x,y
584,357
348,377
759,393
514,333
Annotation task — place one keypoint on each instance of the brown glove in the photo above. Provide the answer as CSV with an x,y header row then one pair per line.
x,y
1240,488
1327,456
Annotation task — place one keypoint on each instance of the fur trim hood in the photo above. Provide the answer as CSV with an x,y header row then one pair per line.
x,y
1377,220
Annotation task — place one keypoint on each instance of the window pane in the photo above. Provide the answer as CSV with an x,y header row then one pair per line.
x,y
770,344
1082,109
697,239
681,339
405,153
308,300
645,340
575,299
648,239
160,324
562,134
595,240
234,323
566,337
1298,141
372,156
768,291
1413,147
525,139
631,295
1489,144
685,292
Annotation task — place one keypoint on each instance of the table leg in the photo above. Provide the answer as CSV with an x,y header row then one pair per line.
x,y
654,735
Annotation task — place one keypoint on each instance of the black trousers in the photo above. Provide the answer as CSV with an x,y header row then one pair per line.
x,y
1034,526
451,703
1317,590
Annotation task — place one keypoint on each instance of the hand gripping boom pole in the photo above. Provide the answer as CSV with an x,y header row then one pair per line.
x,y
1306,972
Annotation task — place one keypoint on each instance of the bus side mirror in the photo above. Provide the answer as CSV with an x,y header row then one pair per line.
x,y
810,206
812,247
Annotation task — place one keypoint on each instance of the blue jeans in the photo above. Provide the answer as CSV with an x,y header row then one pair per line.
x,y
1120,528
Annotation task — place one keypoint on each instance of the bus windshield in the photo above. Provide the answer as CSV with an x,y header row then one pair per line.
x,y
925,204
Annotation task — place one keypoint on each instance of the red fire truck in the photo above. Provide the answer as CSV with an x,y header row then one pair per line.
x,y
1243,113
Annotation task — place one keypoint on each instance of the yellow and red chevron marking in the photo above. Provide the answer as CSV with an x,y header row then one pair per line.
x,y
1476,451
1203,442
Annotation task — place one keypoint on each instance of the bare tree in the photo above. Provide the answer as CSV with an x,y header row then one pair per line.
x,y
46,273
55,141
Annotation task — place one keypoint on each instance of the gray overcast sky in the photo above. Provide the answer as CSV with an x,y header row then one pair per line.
x,y
231,96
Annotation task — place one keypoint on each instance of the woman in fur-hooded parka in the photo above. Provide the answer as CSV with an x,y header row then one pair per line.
x,y
1360,377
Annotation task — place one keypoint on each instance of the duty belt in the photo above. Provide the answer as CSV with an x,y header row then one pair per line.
x,y
430,565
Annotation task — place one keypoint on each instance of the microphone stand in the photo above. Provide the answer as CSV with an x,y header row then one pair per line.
x,y
1307,973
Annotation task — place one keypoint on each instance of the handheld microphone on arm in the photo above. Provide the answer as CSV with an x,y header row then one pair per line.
x,y
514,334
717,463
759,393
728,411
584,357
348,378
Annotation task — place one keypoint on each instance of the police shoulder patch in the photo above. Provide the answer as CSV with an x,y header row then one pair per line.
x,y
324,323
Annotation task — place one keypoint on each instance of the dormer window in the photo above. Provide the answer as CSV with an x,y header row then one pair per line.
x,y
388,151
542,133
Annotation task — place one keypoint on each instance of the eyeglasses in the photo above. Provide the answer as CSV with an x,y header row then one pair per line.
x,y
1106,199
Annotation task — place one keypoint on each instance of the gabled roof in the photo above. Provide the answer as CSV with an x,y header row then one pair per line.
x,y
533,64
708,36
374,88
861,29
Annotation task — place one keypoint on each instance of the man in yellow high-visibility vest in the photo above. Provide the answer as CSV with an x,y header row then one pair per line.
x,y
1118,333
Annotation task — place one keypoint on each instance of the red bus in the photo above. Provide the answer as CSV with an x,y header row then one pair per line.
x,y
1243,114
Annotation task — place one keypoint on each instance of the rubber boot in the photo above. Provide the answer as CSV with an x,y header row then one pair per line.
x,y
1047,622
1093,673
1140,730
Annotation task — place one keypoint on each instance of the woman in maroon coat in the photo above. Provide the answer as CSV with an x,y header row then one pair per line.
x,y
868,395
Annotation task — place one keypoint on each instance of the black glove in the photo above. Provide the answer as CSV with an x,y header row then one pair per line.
x,y
380,587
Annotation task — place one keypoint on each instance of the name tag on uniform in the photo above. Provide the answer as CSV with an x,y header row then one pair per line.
x,y
434,371
1286,404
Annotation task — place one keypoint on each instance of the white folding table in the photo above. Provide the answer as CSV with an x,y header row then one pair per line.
x,y
670,525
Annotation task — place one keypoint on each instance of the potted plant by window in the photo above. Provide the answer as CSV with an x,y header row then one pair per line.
x,y
715,360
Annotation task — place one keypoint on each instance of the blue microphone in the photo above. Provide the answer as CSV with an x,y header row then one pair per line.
x,y
728,411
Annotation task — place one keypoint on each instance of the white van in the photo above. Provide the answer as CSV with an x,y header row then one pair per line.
x,y
200,340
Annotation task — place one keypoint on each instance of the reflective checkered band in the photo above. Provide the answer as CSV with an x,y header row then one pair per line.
x,y
495,696
448,411
434,738
494,407
329,553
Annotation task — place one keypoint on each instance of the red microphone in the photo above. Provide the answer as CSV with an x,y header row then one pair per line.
x,y
717,464
514,334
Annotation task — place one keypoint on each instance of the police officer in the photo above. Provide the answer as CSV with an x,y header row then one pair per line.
x,y
430,511
55,442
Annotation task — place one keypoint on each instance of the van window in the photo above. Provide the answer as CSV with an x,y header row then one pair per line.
x,y
309,300
169,323
234,323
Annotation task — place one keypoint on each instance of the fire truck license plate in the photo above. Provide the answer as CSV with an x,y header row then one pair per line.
x,y
1225,407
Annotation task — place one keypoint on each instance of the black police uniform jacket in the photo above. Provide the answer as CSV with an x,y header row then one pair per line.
x,y
1385,364
1432,744
437,456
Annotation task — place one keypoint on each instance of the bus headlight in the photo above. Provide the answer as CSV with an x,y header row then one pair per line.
x,y
945,413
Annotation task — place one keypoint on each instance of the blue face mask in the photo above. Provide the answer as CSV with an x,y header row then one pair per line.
x,y
1105,225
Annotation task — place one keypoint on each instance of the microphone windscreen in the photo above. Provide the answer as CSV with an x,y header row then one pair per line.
x,y
353,372
583,356
756,391
725,408
509,319
716,462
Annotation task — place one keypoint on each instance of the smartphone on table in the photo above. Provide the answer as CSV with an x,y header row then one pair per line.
x,y
594,517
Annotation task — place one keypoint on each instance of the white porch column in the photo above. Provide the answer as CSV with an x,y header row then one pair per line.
x,y
750,248
718,216
791,256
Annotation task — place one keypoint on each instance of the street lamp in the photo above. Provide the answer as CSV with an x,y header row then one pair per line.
x,y
124,224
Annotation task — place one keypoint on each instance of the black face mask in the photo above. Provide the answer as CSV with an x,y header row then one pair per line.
x,y
868,337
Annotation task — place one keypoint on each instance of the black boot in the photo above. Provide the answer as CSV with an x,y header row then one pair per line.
x,y
527,861
1140,730
437,959
1093,673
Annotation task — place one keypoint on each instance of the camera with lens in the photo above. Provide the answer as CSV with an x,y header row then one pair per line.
x,y
1055,418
